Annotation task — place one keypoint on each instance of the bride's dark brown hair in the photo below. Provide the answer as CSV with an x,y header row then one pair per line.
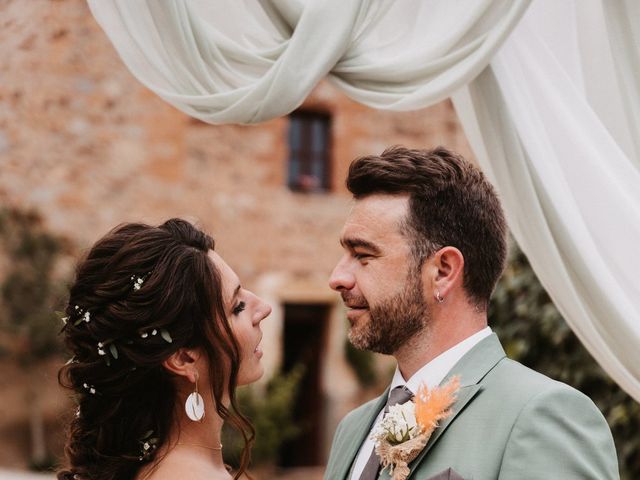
x,y
120,334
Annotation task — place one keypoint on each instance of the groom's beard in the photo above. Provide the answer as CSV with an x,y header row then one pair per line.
x,y
393,321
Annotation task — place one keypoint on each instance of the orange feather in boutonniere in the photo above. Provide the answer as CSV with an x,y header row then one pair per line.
x,y
435,404
402,434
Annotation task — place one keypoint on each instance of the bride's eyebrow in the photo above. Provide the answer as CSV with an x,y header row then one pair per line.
x,y
232,301
236,291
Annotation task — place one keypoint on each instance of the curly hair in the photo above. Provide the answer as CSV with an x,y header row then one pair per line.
x,y
119,335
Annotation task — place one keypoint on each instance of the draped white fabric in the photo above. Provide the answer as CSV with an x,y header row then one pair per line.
x,y
259,60
560,148
553,120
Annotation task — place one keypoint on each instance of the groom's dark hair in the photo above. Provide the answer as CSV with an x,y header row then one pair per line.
x,y
451,203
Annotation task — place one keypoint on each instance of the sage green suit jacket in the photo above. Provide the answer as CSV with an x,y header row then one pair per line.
x,y
509,423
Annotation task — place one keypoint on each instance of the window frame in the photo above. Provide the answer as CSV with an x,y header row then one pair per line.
x,y
302,151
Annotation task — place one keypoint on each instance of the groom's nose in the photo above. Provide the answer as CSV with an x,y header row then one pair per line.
x,y
342,278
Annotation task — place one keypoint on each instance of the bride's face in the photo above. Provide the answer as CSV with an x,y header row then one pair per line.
x,y
244,311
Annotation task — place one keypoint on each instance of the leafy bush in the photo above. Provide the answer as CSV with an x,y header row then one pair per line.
x,y
271,413
28,290
534,333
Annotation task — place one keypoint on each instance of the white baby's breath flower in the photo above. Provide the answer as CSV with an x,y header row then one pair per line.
x,y
378,432
398,425
406,416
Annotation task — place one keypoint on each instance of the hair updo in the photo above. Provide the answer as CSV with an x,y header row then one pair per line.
x,y
141,293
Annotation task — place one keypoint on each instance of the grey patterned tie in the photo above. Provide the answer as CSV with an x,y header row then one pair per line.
x,y
398,395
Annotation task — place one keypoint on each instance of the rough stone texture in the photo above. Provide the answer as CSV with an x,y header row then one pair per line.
x,y
85,144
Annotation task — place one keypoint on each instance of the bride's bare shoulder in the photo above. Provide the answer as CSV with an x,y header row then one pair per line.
x,y
179,467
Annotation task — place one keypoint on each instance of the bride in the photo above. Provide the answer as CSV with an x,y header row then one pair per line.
x,y
161,332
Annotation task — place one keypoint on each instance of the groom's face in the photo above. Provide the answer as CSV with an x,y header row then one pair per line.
x,y
377,278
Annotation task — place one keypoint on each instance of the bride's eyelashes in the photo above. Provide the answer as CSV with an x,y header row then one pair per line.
x,y
239,308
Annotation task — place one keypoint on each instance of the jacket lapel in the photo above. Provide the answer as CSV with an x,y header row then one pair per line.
x,y
359,428
471,368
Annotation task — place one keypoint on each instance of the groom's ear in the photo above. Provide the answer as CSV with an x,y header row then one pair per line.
x,y
183,362
445,270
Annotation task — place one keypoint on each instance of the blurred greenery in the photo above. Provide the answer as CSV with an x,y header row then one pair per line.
x,y
534,333
271,412
363,364
28,290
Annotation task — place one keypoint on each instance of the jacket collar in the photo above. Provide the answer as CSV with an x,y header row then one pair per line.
x,y
360,428
471,368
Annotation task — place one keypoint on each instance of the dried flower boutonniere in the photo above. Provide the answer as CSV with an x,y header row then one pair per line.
x,y
402,434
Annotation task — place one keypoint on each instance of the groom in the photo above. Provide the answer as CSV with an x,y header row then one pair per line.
x,y
425,244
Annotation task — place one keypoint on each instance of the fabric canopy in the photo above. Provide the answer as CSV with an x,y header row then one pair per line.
x,y
550,101
260,60
553,130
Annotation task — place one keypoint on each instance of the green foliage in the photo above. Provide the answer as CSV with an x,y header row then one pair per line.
x,y
271,413
48,464
534,333
28,288
27,319
362,363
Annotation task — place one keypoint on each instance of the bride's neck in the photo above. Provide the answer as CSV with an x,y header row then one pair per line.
x,y
192,444
207,432
202,437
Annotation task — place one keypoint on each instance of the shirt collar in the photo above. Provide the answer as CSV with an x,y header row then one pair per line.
x,y
437,369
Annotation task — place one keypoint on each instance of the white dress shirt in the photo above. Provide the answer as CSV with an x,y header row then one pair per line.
x,y
431,375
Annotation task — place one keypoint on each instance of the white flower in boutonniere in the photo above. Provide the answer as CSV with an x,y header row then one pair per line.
x,y
403,432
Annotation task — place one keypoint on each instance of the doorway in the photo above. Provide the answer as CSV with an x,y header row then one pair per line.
x,y
305,328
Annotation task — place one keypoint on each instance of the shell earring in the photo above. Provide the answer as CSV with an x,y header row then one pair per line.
x,y
439,299
194,406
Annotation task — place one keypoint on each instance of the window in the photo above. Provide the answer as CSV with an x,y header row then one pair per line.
x,y
309,151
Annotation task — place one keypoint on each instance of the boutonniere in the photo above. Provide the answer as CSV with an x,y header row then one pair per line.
x,y
402,434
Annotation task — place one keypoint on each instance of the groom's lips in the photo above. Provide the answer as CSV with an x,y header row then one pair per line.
x,y
355,311
349,303
357,307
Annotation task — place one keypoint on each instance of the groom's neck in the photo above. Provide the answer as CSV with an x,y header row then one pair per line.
x,y
438,337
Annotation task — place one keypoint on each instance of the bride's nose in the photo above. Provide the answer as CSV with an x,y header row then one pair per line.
x,y
263,310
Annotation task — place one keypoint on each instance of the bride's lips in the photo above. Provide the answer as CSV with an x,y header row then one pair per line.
x,y
258,350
